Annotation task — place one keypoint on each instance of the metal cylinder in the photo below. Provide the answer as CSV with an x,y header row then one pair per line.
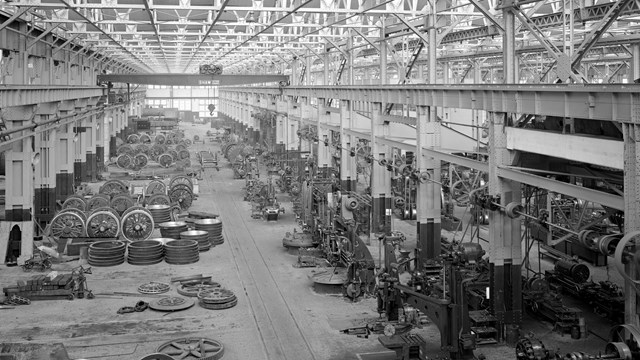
x,y
512,334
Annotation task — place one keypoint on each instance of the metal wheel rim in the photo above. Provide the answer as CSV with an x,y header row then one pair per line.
x,y
165,160
154,287
124,161
193,348
159,199
141,160
82,214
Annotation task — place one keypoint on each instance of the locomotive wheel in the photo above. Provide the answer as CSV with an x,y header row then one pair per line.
x,y
145,139
121,203
137,225
181,194
103,224
160,139
75,202
141,160
124,161
67,225
125,149
174,154
183,154
97,201
159,199
80,213
156,187
181,179
113,188
165,160
133,139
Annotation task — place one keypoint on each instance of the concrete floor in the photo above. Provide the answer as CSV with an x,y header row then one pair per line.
x,y
278,316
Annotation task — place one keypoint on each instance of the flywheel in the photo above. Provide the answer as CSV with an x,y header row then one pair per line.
x,y
113,188
103,224
67,225
75,202
137,224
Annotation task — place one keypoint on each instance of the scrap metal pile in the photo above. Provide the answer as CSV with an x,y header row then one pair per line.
x,y
116,213
165,149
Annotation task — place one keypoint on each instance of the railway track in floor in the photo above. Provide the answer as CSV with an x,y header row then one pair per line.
x,y
281,333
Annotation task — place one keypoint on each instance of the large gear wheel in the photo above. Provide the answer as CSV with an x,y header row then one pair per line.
x,y
193,348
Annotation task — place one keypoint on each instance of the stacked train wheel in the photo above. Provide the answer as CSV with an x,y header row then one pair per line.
x,y
98,201
75,202
106,253
181,252
122,203
112,188
217,299
213,227
145,252
159,199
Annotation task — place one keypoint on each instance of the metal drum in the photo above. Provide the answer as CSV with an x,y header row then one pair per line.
x,y
214,227
172,229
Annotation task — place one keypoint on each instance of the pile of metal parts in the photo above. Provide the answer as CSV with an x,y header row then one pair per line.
x,y
107,253
623,345
115,212
51,287
181,252
145,252
165,149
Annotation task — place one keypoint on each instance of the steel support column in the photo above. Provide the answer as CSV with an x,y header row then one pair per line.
x,y
324,155
380,177
347,163
631,134
505,254
428,196
509,47
635,63
383,53
45,175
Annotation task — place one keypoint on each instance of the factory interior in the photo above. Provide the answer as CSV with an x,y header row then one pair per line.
x,y
319,179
